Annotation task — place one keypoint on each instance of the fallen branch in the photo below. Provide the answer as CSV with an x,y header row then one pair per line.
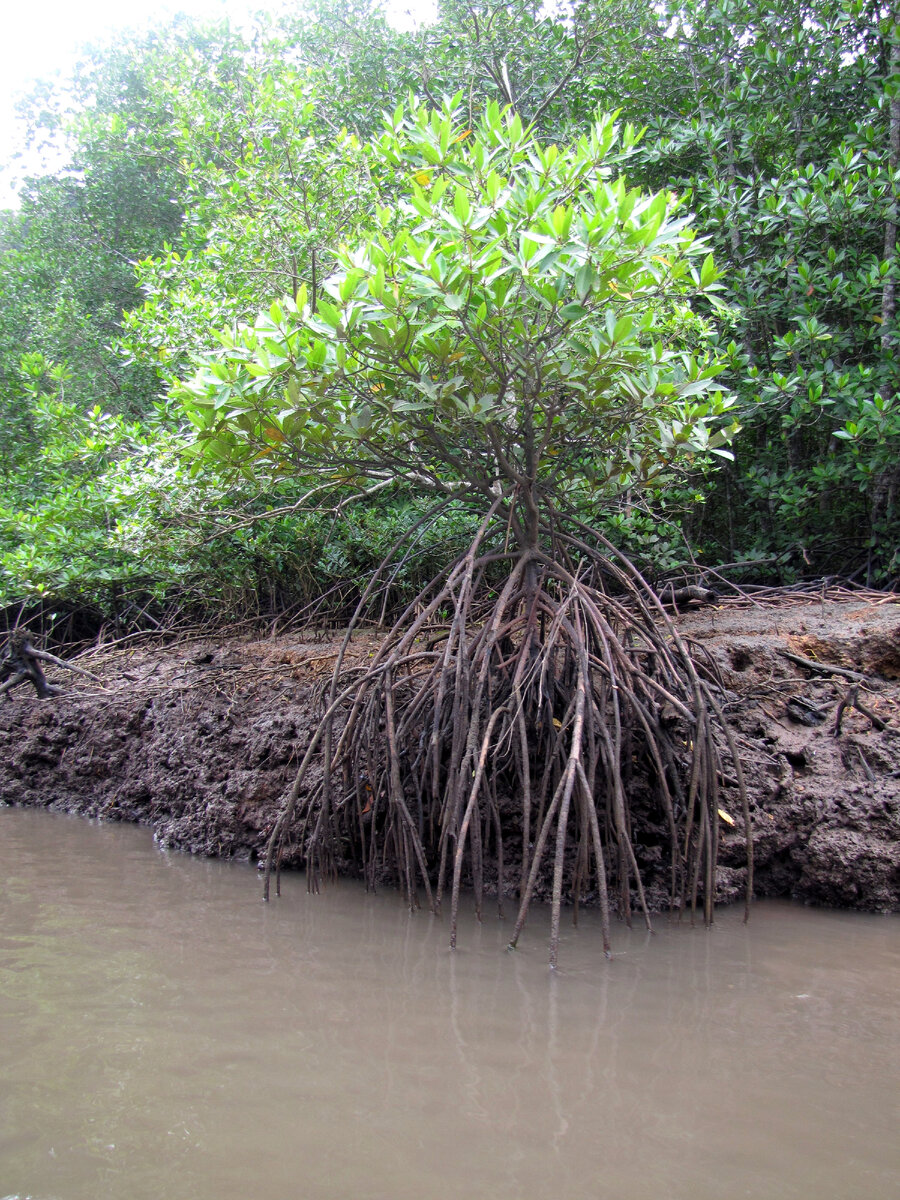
x,y
21,663
826,668
60,662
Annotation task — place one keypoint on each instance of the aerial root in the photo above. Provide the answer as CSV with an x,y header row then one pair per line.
x,y
516,724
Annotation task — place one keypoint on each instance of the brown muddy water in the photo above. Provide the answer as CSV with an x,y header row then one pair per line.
x,y
166,1036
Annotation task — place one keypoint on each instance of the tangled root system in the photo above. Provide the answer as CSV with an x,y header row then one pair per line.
x,y
495,732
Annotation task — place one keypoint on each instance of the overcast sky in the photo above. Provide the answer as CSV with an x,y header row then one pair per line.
x,y
42,38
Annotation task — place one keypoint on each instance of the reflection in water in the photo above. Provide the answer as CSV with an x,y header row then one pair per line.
x,y
166,1035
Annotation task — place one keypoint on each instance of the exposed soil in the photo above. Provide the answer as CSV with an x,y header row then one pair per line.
x,y
200,740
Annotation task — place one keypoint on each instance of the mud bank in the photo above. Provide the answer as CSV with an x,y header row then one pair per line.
x,y
201,740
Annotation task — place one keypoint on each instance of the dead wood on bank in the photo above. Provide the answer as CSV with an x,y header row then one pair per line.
x,y
21,663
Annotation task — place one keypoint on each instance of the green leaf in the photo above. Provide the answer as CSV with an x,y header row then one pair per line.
x,y
461,205
584,280
708,272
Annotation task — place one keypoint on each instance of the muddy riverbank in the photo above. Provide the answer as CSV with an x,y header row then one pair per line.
x,y
200,740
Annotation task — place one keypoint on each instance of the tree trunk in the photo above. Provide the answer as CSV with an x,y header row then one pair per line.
x,y
885,483
889,291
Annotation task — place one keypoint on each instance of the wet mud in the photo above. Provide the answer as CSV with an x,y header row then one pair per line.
x,y
201,739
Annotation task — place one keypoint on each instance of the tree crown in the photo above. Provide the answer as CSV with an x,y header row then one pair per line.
x,y
517,321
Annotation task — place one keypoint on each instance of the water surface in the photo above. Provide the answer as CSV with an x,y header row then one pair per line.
x,y
166,1036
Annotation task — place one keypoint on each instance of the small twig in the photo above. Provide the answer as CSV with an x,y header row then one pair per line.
x,y
848,702
870,774
879,724
851,700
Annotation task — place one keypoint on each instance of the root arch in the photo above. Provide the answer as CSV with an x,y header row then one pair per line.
x,y
530,724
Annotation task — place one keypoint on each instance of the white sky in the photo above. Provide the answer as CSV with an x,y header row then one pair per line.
x,y
42,40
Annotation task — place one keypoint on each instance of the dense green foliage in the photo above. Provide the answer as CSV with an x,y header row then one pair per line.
x,y
782,132
511,331
216,173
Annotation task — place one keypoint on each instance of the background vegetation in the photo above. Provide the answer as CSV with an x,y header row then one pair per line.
x,y
214,172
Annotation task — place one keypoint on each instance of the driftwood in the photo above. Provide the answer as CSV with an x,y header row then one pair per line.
x,y
21,663
686,595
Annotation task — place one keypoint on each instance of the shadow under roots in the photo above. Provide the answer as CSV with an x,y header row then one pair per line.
x,y
537,734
